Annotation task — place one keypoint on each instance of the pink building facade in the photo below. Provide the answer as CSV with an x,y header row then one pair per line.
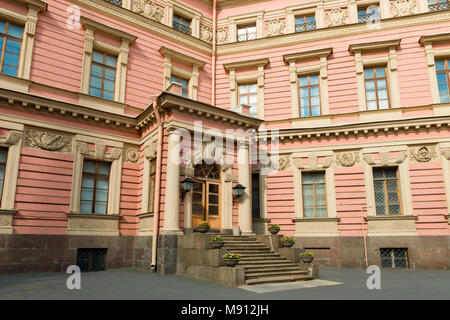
x,y
354,114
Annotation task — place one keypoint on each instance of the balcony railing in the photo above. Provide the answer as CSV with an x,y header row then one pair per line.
x,y
247,36
301,27
438,6
182,28
115,2
364,17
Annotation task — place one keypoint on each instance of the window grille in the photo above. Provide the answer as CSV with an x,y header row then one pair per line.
x,y
394,258
91,259
115,2
438,5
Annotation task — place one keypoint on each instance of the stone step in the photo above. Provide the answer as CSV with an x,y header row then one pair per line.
x,y
259,254
244,246
264,273
270,268
254,266
237,238
278,279
263,258
264,262
254,251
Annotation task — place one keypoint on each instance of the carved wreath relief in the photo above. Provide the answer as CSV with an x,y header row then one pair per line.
x,y
47,141
423,153
149,9
347,159
275,27
401,8
336,17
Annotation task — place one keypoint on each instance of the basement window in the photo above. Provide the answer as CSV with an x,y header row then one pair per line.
x,y
394,258
91,259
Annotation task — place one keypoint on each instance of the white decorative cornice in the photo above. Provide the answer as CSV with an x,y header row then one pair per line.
x,y
181,57
94,25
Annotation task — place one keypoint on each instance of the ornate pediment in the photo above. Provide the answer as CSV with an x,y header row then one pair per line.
x,y
47,141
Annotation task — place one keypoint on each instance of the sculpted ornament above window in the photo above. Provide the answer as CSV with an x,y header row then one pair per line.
x,y
47,141
423,153
401,8
347,159
222,35
149,9
206,33
336,17
275,27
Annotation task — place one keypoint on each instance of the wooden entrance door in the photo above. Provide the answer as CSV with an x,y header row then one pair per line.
x,y
206,197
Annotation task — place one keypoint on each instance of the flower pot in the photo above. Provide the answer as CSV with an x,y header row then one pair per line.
x,y
202,229
287,244
274,230
217,245
231,262
307,259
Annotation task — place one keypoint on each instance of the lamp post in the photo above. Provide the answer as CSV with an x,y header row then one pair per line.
x,y
238,191
187,185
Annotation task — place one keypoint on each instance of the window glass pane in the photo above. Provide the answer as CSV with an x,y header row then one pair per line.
x,y
441,77
87,194
304,102
390,173
371,95
391,185
111,61
101,195
371,105
443,88
15,31
108,95
370,85
305,112
315,111
382,94
393,197
183,82
310,19
243,99
96,71
381,210
102,184
100,208
3,154
97,57
252,99
380,72
110,74
86,207
243,89
96,82
103,168
444,98
440,65
2,174
384,104
381,84
315,101
11,59
394,209
378,173
314,91
368,73
309,212
314,80
252,88
108,85
94,92
13,46
242,31
11,71
87,182
304,92
2,27
89,166
303,81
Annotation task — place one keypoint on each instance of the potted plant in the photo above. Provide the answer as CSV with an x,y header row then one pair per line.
x,y
203,227
287,242
217,242
274,229
307,257
231,259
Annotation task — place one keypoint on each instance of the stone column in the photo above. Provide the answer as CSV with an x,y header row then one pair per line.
x,y
245,206
172,198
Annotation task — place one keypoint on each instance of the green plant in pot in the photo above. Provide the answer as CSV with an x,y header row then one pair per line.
x,y
287,241
307,257
274,229
231,259
217,242
203,227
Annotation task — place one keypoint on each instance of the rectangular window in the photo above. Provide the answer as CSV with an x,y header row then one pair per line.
x,y
3,157
151,198
376,83
94,187
103,75
443,79
314,194
394,258
256,212
386,186
438,5
247,32
181,24
305,23
248,94
184,84
309,96
365,13
10,44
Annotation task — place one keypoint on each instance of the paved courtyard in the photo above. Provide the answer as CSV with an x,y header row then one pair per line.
x,y
137,284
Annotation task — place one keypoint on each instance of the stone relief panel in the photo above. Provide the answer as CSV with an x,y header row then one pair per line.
x,y
313,163
422,153
48,141
385,159
206,33
336,17
149,9
401,8
132,155
275,27
222,35
347,159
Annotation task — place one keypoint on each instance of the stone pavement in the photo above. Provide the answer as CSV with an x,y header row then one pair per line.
x,y
137,284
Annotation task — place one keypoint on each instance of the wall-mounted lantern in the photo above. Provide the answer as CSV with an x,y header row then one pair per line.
x,y
187,185
238,191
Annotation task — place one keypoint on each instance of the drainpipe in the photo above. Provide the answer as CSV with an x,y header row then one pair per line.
x,y
364,235
156,204
213,93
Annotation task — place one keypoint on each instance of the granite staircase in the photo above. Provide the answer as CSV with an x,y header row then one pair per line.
x,y
261,264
